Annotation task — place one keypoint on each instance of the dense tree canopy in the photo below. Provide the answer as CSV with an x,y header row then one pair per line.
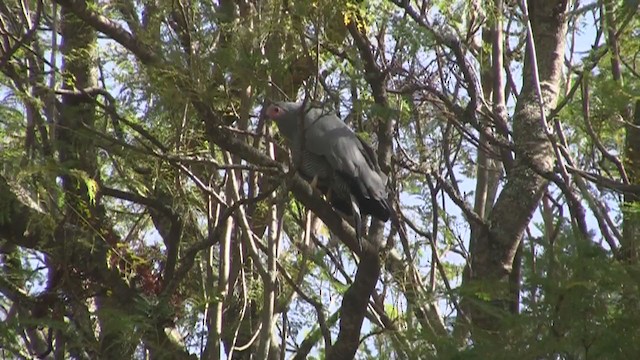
x,y
149,210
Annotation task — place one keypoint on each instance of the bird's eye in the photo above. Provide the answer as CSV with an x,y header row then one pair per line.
x,y
275,111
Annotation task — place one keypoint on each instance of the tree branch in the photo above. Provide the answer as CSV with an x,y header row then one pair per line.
x,y
113,30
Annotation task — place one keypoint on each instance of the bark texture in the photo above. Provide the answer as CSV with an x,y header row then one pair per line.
x,y
498,241
631,226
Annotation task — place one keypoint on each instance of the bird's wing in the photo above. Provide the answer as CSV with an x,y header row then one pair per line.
x,y
359,168
330,137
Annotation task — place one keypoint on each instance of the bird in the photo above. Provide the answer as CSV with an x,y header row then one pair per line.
x,y
334,159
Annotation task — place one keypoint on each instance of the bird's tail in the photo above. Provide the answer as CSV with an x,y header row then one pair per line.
x,y
357,219
377,207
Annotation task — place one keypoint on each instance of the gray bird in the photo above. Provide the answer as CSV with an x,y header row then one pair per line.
x,y
335,159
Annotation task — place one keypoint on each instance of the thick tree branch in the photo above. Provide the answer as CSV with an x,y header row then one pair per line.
x,y
354,307
23,223
496,248
113,30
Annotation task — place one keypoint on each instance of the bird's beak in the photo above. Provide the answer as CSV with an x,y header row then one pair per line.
x,y
265,106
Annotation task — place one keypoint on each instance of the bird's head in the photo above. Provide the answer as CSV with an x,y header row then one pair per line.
x,y
286,115
282,111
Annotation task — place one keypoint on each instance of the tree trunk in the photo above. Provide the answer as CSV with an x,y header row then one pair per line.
x,y
497,242
631,225
77,157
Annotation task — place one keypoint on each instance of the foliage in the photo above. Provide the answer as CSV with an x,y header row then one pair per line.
x,y
149,210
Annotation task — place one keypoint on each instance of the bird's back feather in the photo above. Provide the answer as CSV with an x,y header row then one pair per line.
x,y
334,153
